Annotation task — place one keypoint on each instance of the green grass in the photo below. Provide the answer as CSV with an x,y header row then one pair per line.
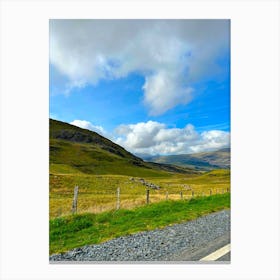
x,y
77,150
83,229
68,158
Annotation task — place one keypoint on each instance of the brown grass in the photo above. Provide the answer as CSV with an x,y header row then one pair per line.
x,y
98,193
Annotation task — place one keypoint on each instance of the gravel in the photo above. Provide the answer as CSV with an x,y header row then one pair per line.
x,y
155,245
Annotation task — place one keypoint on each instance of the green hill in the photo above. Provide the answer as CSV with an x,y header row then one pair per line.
x,y
77,150
201,161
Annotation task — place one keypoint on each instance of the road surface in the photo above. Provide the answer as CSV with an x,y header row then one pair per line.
x,y
216,250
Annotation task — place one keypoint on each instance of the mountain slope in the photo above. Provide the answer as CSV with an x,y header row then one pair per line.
x,y
77,150
202,161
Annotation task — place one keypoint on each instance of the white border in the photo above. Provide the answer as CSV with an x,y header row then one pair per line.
x,y
254,127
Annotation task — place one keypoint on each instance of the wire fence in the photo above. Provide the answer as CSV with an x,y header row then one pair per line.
x,y
100,201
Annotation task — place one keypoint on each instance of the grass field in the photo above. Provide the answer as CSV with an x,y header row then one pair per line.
x,y
97,193
81,229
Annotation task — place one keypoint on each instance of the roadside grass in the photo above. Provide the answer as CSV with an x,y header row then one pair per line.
x,y
83,229
97,193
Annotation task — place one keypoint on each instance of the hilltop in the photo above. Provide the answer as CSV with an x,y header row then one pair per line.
x,y
78,150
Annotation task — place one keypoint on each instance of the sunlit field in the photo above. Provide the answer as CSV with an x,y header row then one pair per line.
x,y
98,193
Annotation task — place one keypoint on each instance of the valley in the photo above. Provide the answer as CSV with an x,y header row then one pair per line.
x,y
83,158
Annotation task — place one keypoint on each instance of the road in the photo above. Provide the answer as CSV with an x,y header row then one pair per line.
x,y
188,241
216,250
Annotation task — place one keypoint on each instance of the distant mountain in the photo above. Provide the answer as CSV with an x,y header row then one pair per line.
x,y
73,149
201,161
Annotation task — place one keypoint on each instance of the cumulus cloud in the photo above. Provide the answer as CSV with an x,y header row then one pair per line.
x,y
170,54
88,125
141,135
163,91
155,138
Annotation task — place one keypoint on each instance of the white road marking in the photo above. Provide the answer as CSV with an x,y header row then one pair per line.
x,y
217,254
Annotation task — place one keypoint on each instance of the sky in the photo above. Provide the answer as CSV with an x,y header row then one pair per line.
x,y
155,87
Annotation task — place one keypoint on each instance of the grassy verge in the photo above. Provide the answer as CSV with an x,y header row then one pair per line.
x,y
77,230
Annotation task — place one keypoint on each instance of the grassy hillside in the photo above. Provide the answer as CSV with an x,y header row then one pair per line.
x,y
202,161
77,150
64,131
77,230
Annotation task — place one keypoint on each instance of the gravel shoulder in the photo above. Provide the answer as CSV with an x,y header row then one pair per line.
x,y
156,245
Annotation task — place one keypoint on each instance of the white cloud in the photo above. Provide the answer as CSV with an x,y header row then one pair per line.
x,y
139,136
170,54
155,138
88,125
163,91
212,140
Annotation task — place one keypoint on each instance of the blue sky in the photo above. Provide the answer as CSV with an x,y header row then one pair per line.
x,y
154,87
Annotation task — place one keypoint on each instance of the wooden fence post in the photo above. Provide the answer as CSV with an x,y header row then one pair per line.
x,y
118,198
75,200
181,195
227,189
148,196
210,192
192,193
166,196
